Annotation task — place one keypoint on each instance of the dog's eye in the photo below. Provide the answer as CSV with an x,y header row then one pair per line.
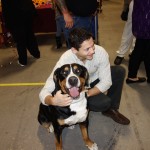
x,y
64,73
77,71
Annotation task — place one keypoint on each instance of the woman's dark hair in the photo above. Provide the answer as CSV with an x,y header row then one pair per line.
x,y
77,36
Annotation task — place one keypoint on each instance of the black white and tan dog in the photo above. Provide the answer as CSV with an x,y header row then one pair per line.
x,y
71,79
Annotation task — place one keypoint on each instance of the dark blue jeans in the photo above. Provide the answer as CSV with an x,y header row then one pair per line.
x,y
85,22
59,26
102,102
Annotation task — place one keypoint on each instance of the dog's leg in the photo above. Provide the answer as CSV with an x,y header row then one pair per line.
x,y
58,141
89,143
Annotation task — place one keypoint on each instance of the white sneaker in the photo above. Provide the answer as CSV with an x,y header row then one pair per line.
x,y
51,129
20,64
71,127
94,147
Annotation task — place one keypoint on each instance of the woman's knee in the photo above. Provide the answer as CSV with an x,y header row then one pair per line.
x,y
118,72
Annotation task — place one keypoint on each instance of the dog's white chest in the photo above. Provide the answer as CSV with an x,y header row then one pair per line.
x,y
79,106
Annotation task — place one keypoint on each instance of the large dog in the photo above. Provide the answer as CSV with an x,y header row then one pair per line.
x,y
71,79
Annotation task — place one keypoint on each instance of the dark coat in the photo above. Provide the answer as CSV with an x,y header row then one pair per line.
x,y
141,19
17,11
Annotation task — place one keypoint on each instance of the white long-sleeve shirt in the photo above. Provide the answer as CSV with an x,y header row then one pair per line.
x,y
98,68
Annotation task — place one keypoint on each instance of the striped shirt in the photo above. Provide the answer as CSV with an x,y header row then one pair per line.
x,y
98,68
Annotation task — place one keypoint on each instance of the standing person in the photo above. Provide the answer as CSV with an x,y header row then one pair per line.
x,y
141,30
18,17
124,14
102,77
77,13
59,26
127,40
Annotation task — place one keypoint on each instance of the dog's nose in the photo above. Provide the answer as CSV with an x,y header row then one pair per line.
x,y
73,81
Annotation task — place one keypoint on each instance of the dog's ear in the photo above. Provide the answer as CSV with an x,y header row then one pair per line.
x,y
86,76
56,76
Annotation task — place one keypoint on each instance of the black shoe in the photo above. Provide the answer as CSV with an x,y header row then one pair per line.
x,y
118,60
58,42
124,15
148,80
140,80
36,54
116,116
130,55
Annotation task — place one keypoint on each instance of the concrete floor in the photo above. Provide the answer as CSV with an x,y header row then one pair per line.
x,y
19,128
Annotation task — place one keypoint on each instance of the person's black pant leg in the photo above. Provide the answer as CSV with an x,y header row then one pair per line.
x,y
102,102
136,58
147,57
19,35
32,44
115,91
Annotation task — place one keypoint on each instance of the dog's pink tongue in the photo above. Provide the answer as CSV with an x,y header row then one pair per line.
x,y
74,92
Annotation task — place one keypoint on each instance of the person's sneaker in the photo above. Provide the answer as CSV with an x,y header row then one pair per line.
x,y
118,60
22,65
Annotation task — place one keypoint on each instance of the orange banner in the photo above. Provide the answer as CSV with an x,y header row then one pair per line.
x,y
39,4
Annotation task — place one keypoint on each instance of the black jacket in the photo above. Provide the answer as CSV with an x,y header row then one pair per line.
x,y
17,11
83,8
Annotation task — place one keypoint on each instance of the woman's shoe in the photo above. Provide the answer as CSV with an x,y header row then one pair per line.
x,y
140,80
118,60
22,65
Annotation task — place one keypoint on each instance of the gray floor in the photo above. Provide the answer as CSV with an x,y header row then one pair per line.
x,y
19,129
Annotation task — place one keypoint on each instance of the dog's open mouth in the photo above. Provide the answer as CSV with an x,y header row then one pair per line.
x,y
74,92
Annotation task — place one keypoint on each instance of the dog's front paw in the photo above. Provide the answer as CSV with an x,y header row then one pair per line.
x,y
51,129
93,147
71,127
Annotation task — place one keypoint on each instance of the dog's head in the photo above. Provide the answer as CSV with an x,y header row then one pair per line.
x,y
71,79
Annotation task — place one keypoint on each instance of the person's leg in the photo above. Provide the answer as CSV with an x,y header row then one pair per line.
x,y
136,58
65,30
109,104
100,102
113,97
132,45
115,91
19,35
59,30
127,35
127,38
147,59
59,26
32,44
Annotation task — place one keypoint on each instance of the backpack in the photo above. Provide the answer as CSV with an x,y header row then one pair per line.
x,y
82,8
